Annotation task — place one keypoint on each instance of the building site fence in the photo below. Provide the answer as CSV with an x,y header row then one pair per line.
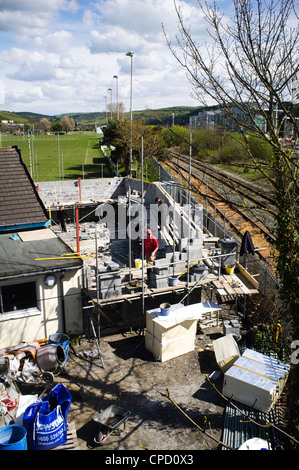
x,y
268,284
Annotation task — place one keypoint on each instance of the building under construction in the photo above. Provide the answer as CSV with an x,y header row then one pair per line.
x,y
108,219
93,279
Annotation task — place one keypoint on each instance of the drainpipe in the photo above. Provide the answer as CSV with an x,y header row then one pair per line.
x,y
62,302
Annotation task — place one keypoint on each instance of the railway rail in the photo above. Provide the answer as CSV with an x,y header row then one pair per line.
x,y
240,204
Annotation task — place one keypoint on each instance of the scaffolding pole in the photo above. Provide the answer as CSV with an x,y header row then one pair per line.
x,y
189,201
142,227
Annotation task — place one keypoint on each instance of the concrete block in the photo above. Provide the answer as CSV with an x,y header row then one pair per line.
x,y
158,283
112,266
179,267
161,271
110,293
160,262
231,327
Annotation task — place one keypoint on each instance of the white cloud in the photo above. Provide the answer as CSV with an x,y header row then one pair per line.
x,y
55,41
115,40
66,53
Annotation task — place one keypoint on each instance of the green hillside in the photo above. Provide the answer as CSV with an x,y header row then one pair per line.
x,y
30,115
163,116
178,115
16,117
85,118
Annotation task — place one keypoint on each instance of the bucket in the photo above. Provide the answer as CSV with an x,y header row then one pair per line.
x,y
50,357
165,309
63,340
229,269
173,281
13,437
138,263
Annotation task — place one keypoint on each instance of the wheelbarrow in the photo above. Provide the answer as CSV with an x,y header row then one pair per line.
x,y
110,420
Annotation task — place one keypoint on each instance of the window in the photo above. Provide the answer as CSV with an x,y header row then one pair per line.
x,y
15,297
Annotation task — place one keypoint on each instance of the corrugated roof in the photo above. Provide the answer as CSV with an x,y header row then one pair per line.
x,y
18,257
20,204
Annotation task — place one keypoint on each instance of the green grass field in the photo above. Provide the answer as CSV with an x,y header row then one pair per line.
x,y
67,156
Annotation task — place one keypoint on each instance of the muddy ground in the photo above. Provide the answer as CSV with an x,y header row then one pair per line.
x,y
131,375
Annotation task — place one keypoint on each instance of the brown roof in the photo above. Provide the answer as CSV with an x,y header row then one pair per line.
x,y
20,204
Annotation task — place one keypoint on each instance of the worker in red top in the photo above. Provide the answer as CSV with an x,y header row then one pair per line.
x,y
151,247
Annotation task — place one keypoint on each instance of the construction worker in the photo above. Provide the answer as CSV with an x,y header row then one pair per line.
x,y
151,247
62,218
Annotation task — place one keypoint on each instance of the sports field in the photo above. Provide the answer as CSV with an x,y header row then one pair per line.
x,y
58,157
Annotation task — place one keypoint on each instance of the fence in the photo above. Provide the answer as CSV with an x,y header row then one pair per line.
x,y
268,284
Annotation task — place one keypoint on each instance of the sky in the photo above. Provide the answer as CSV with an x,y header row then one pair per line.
x,y
61,56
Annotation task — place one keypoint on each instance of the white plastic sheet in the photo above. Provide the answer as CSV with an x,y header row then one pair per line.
x,y
179,313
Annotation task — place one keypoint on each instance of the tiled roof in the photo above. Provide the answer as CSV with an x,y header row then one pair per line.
x,y
20,204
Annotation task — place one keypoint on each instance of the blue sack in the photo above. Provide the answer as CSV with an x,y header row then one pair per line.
x,y
46,419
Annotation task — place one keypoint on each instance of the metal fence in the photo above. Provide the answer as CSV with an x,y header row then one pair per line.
x,y
268,284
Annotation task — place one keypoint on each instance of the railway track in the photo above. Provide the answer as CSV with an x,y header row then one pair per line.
x,y
241,205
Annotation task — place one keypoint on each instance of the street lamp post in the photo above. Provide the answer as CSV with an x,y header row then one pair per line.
x,y
106,108
110,89
130,54
116,77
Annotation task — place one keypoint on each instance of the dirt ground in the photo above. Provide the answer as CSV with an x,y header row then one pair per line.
x,y
131,375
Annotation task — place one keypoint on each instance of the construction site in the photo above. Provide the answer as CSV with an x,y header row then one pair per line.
x,y
189,265
153,334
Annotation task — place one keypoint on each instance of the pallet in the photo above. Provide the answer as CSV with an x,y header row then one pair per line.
x,y
72,440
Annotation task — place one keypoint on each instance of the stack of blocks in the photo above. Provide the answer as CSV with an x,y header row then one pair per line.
x,y
159,274
198,273
109,280
231,327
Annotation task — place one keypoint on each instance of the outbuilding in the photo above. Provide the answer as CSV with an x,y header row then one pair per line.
x,y
40,276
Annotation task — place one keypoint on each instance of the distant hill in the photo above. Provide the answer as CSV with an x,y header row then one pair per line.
x,y
163,116
16,117
85,118
35,115
178,115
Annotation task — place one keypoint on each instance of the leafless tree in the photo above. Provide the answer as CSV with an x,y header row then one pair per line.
x,y
248,66
68,124
116,109
45,124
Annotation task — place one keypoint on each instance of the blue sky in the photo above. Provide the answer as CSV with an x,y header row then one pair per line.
x,y
61,55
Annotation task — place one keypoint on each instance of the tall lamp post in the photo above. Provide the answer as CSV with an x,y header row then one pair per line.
x,y
106,108
110,89
130,54
116,77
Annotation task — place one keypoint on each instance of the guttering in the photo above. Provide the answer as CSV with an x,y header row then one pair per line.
x,y
62,301
15,227
39,273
